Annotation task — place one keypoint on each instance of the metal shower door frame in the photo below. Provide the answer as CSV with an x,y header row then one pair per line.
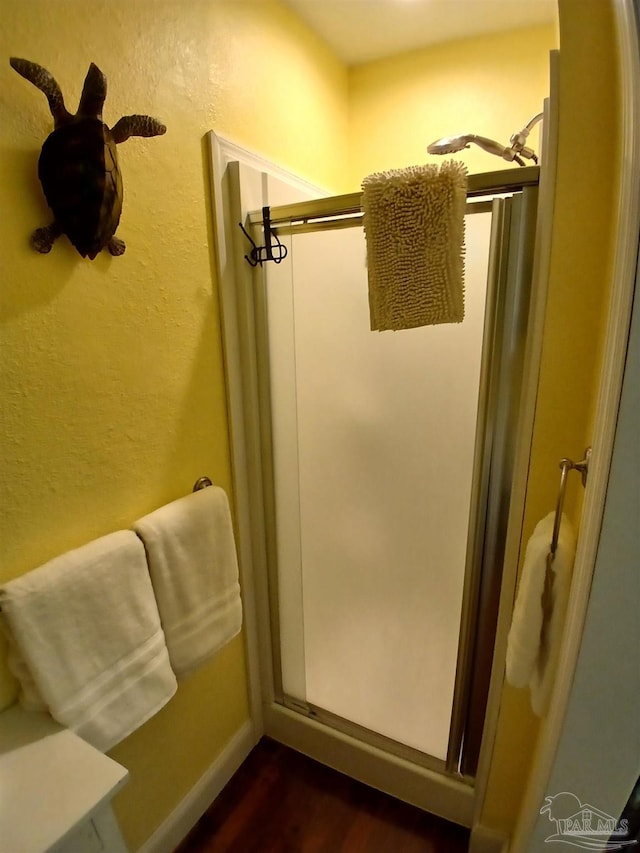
x,y
501,380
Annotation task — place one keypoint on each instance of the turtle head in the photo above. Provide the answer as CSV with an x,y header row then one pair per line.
x,y
94,92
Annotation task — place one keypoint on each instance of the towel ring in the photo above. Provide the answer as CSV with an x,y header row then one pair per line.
x,y
567,465
201,483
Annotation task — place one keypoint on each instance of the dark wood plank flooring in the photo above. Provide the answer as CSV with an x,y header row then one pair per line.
x,y
282,802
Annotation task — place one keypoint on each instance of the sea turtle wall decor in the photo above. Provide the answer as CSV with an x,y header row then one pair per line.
x,y
78,166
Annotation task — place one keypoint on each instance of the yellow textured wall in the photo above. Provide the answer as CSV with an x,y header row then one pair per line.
x,y
112,385
490,85
112,388
579,285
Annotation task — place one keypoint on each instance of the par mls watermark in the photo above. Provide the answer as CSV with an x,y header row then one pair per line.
x,y
585,826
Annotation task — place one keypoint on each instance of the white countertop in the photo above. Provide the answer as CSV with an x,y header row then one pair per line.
x,y
51,781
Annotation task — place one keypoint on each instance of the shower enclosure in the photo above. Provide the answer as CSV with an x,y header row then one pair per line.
x,y
378,472
373,438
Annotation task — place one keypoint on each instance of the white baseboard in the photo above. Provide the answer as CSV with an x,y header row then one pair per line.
x,y
484,840
187,813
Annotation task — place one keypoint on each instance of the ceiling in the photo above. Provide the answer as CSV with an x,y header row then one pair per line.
x,y
364,30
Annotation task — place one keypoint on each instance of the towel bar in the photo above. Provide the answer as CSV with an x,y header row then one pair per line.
x,y
202,483
567,465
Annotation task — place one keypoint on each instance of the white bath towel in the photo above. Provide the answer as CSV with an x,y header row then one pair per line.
x,y
194,570
86,641
539,612
414,230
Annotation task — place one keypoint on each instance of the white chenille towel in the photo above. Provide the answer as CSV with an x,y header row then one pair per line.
x,y
414,230
194,570
86,642
539,612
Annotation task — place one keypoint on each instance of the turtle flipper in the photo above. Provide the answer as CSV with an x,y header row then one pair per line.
x,y
137,126
43,239
41,78
116,246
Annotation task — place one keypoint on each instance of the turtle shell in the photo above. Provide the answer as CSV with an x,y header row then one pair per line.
x,y
79,172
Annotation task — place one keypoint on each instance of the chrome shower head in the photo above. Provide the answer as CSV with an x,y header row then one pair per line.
x,y
449,144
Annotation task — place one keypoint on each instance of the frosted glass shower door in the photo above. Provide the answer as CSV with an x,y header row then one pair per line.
x,y
373,442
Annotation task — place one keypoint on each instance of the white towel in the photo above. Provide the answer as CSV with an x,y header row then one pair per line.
x,y
414,229
194,570
539,612
86,641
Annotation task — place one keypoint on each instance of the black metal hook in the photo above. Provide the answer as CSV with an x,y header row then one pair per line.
x,y
260,254
255,251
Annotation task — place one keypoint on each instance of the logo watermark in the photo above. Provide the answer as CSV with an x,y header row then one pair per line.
x,y
585,826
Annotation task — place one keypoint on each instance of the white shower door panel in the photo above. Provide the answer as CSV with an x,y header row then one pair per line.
x,y
383,462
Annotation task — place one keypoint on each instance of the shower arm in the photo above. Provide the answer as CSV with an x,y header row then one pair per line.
x,y
493,147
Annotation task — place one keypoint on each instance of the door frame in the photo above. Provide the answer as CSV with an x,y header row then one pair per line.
x,y
625,266
236,305
448,796
443,795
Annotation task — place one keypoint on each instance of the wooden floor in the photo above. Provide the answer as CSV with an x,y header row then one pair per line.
x,y
282,802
